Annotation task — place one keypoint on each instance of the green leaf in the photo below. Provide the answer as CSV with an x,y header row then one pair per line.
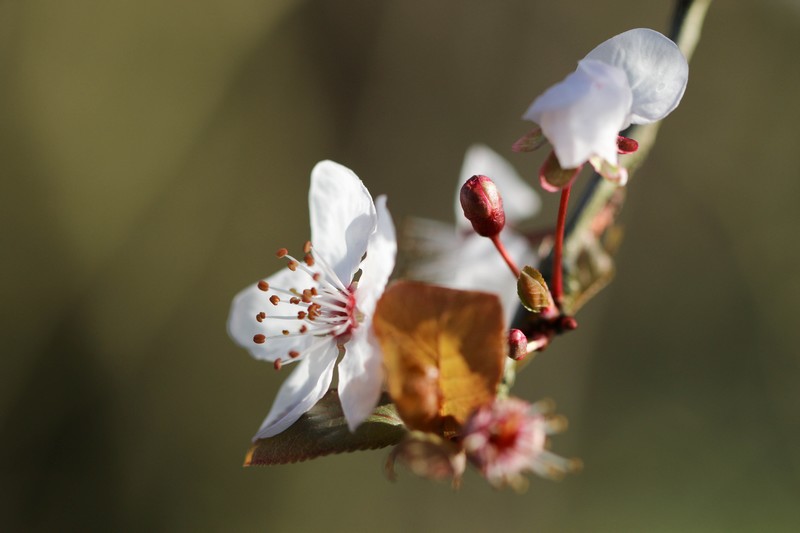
x,y
532,290
323,431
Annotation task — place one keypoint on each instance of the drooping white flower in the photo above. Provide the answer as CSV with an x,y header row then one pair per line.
x,y
311,310
462,259
636,77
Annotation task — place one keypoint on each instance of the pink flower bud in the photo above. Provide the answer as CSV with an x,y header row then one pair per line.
x,y
517,345
483,206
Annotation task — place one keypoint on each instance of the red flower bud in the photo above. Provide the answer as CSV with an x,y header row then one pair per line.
x,y
626,145
483,206
517,345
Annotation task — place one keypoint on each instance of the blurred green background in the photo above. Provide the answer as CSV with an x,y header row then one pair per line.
x,y
155,154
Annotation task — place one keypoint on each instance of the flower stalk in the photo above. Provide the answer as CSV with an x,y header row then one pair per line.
x,y
504,254
558,270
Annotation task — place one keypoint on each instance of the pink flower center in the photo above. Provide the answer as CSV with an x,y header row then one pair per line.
x,y
504,432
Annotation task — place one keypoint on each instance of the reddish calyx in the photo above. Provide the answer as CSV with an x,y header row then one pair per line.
x,y
626,145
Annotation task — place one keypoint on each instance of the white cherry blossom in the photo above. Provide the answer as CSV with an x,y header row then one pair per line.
x,y
311,311
636,77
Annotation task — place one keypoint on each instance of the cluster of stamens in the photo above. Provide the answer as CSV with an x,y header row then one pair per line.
x,y
326,309
507,438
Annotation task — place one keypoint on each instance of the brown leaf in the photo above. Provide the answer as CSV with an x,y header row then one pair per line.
x,y
323,430
443,351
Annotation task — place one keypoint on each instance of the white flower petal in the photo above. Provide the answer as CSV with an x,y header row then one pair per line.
x,y
302,389
243,326
479,267
360,376
342,217
380,260
582,115
656,69
520,200
432,244
468,261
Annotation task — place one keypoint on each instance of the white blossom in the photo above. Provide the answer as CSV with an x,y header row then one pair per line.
x,y
312,310
636,77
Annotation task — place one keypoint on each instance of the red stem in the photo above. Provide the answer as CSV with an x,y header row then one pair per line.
x,y
558,249
504,254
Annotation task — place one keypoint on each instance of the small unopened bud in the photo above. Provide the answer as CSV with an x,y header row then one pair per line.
x,y
567,323
626,145
517,345
483,206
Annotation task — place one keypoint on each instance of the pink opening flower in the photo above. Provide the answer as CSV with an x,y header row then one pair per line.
x,y
507,439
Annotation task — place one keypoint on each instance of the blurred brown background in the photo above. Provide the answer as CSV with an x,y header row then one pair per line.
x,y
155,154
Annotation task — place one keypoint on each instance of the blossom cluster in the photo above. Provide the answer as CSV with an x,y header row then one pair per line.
x,y
442,349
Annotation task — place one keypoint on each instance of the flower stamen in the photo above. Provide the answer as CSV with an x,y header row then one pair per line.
x,y
326,309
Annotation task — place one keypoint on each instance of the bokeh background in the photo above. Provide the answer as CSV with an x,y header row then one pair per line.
x,y
155,154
